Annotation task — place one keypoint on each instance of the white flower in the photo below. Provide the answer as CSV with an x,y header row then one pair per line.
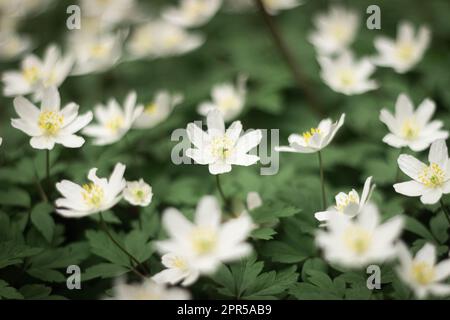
x,y
109,12
422,273
95,52
13,45
50,125
158,110
36,75
162,39
315,139
253,200
360,241
429,182
206,242
220,149
99,195
409,128
273,7
227,98
148,290
403,53
138,193
345,75
349,204
113,121
178,269
335,30
192,13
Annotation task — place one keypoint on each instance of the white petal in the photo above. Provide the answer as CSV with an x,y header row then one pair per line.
x,y
410,188
425,111
216,125
403,107
443,270
26,110
176,224
51,99
70,141
248,141
394,141
432,196
219,168
410,166
42,142
197,136
234,130
427,254
208,212
438,153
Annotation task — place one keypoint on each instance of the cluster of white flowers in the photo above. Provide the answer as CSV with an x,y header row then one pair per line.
x,y
335,32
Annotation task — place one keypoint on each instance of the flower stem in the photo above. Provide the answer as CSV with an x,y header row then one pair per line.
x,y
277,38
397,176
47,162
219,187
133,260
322,181
445,210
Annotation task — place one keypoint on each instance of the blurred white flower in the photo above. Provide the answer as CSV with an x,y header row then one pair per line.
x,y
346,75
95,52
227,98
138,193
220,149
253,200
192,13
349,204
409,128
162,39
273,7
178,269
361,241
422,273
158,110
335,30
99,195
403,53
315,139
21,8
206,242
113,121
36,75
109,12
50,125
148,290
429,182
13,45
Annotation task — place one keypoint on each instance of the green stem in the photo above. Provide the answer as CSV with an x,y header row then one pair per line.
x,y
445,210
47,161
288,57
39,185
397,176
322,181
132,258
226,201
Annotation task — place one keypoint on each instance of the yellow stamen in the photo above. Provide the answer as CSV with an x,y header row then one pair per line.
x,y
347,78
432,176
357,239
309,134
410,129
405,51
151,108
98,50
344,201
115,123
422,272
31,74
222,147
50,122
93,194
204,240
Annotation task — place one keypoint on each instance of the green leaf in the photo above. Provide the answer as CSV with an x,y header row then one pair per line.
x,y
283,252
15,197
136,242
416,227
104,271
263,234
12,253
35,291
439,227
102,246
8,292
42,220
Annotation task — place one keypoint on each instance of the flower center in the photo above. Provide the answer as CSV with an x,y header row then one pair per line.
x,y
115,123
222,147
346,199
99,50
204,240
339,32
405,51
139,195
31,74
173,39
309,134
194,8
179,263
432,176
347,78
410,129
357,239
93,194
151,108
50,122
229,102
422,272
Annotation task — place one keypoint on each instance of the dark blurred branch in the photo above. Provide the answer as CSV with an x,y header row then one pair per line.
x,y
289,59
